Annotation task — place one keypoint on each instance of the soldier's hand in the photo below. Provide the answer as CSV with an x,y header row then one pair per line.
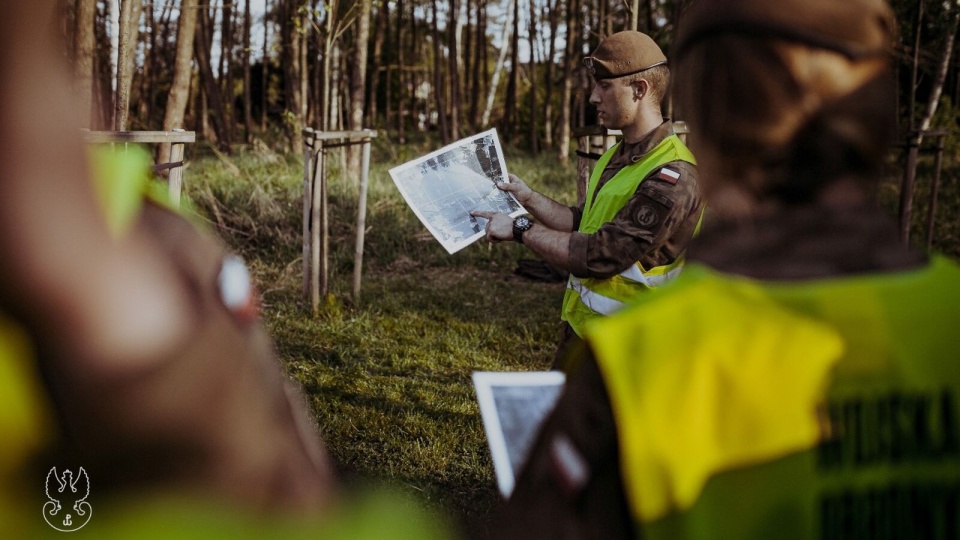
x,y
518,188
499,225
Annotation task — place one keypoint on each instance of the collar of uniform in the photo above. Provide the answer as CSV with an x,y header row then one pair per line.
x,y
631,153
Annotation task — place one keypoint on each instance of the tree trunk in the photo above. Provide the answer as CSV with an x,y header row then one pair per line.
x,y
569,59
335,115
510,113
327,75
916,63
211,90
504,50
180,87
438,86
247,100
290,68
226,66
469,43
484,55
302,48
113,30
532,35
412,79
127,44
84,45
400,75
453,72
358,84
264,68
104,74
941,76
383,16
479,46
552,8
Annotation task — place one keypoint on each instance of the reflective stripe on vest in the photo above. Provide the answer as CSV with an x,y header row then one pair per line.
x,y
725,390
592,297
624,284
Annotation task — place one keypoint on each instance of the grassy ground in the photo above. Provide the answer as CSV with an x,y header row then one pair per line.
x,y
389,378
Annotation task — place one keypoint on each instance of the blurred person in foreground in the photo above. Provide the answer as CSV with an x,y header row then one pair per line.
x,y
643,203
799,379
130,347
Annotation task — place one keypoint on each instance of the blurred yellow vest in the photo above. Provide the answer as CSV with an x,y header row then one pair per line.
x,y
821,409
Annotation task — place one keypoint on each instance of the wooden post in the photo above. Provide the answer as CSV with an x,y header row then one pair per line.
x,y
177,139
583,168
934,189
315,205
906,188
175,180
324,226
361,221
592,142
307,199
317,255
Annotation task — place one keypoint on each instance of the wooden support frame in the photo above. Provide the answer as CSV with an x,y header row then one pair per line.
x,y
177,138
316,227
913,148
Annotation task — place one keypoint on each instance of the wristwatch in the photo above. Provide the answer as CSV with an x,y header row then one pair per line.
x,y
521,225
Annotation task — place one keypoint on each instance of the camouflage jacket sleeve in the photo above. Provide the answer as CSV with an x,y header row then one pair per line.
x,y
654,227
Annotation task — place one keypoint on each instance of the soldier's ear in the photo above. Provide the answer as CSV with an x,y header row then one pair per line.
x,y
640,88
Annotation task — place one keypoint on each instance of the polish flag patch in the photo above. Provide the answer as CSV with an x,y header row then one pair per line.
x,y
668,175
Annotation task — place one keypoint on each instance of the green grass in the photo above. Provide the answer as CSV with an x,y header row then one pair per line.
x,y
389,378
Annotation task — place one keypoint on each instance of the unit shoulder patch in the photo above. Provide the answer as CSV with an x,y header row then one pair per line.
x,y
668,175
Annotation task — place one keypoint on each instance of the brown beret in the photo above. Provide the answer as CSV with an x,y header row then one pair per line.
x,y
622,54
854,28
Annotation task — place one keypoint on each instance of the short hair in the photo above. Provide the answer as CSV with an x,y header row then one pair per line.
x,y
657,77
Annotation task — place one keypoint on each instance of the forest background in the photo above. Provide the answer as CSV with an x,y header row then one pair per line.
x,y
388,374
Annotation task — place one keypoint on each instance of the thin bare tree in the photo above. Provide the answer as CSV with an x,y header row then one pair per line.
x,y
569,76
940,77
358,83
83,50
438,80
510,115
532,37
247,91
180,88
129,26
383,31
501,60
553,18
202,41
453,71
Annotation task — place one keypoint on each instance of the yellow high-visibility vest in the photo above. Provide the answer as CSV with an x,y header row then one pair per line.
x,y
587,298
820,409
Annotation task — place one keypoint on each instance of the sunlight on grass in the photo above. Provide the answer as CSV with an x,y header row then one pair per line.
x,y
389,380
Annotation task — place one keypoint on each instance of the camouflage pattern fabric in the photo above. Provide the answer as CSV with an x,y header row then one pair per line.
x,y
653,228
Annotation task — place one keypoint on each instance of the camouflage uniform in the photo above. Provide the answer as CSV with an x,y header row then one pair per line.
x,y
633,235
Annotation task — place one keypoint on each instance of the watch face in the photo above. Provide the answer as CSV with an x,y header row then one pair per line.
x,y
523,222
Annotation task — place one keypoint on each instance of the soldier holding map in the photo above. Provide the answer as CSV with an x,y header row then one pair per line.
x,y
643,202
